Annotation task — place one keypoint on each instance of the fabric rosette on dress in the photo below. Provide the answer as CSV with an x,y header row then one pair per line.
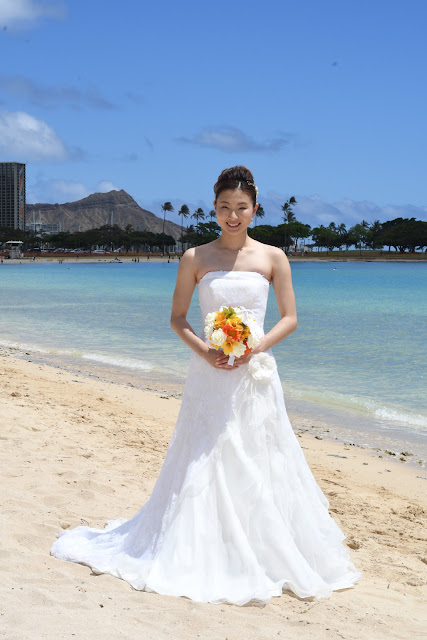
x,y
262,367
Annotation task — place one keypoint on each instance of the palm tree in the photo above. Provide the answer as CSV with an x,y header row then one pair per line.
x,y
374,235
212,214
288,216
167,206
259,214
342,231
198,215
184,212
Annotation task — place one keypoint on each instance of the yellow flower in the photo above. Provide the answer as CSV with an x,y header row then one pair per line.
x,y
227,347
220,320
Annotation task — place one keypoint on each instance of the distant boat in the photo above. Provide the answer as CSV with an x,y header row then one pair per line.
x,y
116,260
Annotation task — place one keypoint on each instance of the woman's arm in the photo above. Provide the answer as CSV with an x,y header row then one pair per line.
x,y
282,284
184,289
185,284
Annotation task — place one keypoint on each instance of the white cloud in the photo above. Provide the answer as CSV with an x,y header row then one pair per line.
x,y
105,185
313,210
231,139
57,190
61,191
50,97
25,138
68,190
25,13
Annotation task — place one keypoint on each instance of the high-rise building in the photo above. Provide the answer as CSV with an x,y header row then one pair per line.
x,y
12,195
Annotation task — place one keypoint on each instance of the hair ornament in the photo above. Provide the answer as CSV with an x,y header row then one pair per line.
x,y
252,184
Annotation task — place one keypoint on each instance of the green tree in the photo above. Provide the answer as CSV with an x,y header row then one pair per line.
x,y
190,237
7,234
207,232
163,240
342,232
358,235
268,234
373,239
298,230
198,215
184,212
288,216
404,233
260,213
328,237
167,206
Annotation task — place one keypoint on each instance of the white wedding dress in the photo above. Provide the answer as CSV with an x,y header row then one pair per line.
x,y
236,514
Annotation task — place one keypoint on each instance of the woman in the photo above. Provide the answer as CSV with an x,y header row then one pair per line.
x,y
236,514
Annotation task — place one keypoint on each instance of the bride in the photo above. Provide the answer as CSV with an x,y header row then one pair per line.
x,y
236,514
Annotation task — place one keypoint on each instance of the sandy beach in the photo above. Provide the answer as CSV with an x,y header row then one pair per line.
x,y
418,257
82,451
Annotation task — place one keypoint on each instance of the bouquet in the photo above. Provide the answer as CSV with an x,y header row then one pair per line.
x,y
234,330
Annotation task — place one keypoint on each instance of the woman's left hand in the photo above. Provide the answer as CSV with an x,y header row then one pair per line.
x,y
245,359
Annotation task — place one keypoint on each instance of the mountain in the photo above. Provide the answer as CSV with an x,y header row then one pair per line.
x,y
114,207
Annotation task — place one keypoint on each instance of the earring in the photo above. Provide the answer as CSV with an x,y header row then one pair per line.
x,y
252,222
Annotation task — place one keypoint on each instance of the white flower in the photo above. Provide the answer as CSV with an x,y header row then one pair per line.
x,y
218,337
209,324
255,336
253,339
210,318
262,367
239,350
208,331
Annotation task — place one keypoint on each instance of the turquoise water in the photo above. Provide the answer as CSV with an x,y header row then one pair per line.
x,y
358,357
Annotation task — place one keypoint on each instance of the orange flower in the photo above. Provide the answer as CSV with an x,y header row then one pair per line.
x,y
247,350
233,329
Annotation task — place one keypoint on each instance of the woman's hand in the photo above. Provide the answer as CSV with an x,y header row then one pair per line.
x,y
219,360
245,359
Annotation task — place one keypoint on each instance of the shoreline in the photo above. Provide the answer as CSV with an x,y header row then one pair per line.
x,y
402,452
174,259
79,450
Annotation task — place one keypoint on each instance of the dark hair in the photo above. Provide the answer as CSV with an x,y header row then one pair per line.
x,y
236,178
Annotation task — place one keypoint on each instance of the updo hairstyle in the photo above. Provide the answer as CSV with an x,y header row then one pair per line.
x,y
236,178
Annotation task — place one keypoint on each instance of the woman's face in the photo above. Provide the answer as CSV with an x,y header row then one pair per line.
x,y
234,211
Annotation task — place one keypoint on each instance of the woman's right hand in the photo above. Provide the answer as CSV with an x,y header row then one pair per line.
x,y
218,360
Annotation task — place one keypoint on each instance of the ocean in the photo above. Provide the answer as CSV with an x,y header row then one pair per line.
x,y
356,362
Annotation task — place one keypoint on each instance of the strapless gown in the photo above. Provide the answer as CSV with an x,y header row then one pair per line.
x,y
236,514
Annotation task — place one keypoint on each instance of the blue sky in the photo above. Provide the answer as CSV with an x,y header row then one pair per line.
x,y
323,100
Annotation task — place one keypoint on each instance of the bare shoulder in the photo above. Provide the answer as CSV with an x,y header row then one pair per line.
x,y
194,260
189,256
188,264
280,266
205,258
273,259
